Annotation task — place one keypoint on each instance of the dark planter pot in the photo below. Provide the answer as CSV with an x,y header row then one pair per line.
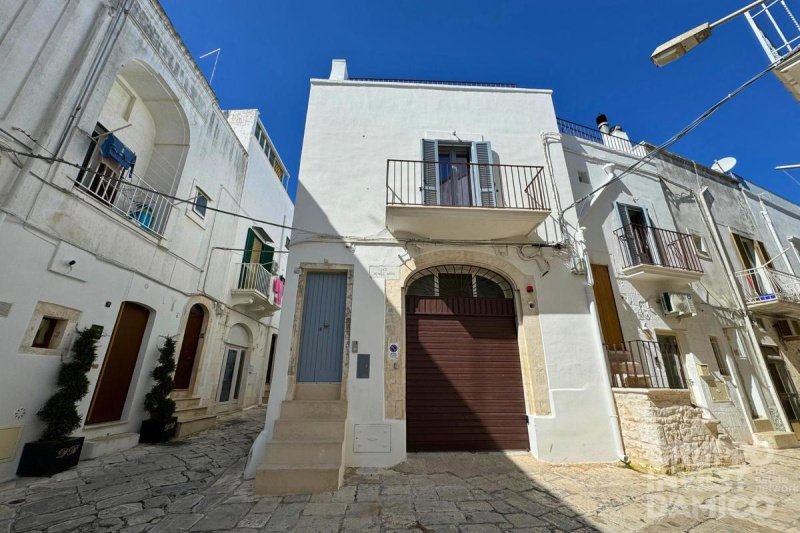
x,y
154,431
45,458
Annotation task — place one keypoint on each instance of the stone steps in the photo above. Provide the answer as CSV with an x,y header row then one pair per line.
x,y
195,424
190,412
186,403
317,391
179,394
776,440
311,429
108,444
299,479
331,409
306,452
763,425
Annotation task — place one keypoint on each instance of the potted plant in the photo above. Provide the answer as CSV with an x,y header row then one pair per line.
x,y
161,425
56,451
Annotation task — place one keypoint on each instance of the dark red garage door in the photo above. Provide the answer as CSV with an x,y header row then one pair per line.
x,y
463,381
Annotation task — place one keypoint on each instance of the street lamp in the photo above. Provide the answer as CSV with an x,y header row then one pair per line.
x,y
678,46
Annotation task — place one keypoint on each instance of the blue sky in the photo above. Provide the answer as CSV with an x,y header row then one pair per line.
x,y
594,55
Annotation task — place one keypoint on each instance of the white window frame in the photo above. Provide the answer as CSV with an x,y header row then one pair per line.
x,y
200,192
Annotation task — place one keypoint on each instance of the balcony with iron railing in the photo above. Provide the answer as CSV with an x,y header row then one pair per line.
x,y
655,254
131,197
645,365
465,201
253,291
613,141
770,291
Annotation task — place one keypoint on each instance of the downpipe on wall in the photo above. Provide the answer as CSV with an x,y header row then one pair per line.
x,y
759,365
608,396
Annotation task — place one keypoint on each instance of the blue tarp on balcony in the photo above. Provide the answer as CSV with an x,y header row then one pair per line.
x,y
113,148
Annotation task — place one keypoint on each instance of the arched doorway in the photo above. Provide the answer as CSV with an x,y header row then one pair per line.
x,y
189,346
464,388
233,365
111,391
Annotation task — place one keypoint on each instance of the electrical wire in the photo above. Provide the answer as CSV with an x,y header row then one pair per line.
x,y
675,138
127,183
315,234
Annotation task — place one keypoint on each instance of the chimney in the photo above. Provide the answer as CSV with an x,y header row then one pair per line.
x,y
602,123
338,70
618,132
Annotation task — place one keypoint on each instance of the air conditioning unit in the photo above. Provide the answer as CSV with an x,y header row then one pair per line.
x,y
678,304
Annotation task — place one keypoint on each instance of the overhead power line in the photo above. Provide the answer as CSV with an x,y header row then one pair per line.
x,y
675,138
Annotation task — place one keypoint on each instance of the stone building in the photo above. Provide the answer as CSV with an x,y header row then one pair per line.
x,y
115,157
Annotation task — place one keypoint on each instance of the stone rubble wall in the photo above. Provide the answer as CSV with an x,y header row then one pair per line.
x,y
664,433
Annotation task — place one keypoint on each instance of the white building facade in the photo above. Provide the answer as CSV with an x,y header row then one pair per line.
x,y
116,158
434,211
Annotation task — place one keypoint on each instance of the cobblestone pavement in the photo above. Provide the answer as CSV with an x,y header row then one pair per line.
x,y
195,484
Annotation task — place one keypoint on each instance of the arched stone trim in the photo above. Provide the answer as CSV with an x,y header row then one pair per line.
x,y
205,334
534,374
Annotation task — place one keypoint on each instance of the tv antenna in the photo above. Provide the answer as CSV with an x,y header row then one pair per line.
x,y
724,165
214,69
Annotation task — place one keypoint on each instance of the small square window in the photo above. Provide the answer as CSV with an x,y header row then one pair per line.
x,y
200,203
46,333
583,177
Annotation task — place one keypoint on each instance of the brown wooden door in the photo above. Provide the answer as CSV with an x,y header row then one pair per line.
x,y
464,387
191,340
606,306
112,386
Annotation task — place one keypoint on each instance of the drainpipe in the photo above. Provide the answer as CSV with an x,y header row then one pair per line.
x,y
760,365
608,396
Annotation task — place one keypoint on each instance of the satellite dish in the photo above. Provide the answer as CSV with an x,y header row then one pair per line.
x,y
724,165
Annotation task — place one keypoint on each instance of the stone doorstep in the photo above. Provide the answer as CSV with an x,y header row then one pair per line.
x,y
187,413
276,480
186,403
763,425
303,452
314,409
776,440
195,425
311,429
108,444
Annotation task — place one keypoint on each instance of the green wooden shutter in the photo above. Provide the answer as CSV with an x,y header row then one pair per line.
x,y
483,173
248,247
430,172
267,256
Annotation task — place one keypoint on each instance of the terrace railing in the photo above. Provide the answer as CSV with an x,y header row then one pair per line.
x,y
648,245
610,140
434,183
645,365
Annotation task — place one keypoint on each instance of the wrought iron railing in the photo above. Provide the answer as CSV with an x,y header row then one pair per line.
x,y
437,183
587,133
135,200
764,284
648,245
255,277
645,365
439,82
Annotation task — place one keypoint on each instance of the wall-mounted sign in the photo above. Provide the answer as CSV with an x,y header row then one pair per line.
x,y
384,272
393,351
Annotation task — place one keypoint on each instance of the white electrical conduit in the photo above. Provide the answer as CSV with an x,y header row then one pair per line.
x,y
608,395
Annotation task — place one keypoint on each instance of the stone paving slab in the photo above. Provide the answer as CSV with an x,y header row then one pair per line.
x,y
195,484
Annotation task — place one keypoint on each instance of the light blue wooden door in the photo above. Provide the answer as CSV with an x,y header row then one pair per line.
x,y
322,330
